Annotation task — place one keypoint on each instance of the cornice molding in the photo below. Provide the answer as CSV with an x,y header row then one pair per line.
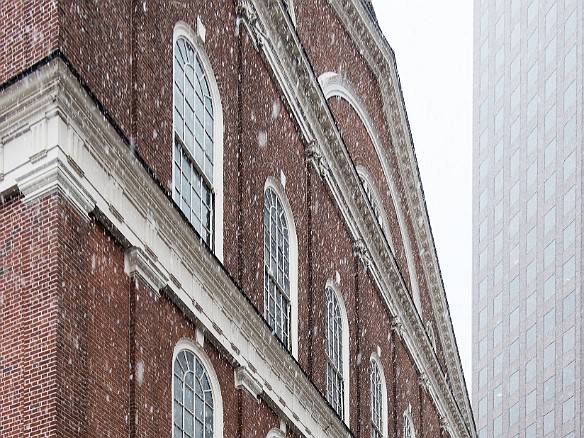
x,y
381,60
244,380
136,261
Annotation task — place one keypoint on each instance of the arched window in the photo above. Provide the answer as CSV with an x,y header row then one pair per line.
x,y
408,424
197,151
374,200
337,365
378,395
193,404
334,84
276,267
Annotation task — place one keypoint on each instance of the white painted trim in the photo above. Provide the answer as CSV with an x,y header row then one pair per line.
x,y
218,420
137,261
182,29
384,415
245,380
332,85
275,184
334,286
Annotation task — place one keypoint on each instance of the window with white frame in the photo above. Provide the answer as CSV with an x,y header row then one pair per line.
x,y
193,404
377,400
372,198
276,267
335,384
197,150
408,424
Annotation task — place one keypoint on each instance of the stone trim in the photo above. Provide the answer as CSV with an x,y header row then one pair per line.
x,y
245,380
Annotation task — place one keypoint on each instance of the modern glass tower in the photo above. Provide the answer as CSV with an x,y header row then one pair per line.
x,y
527,220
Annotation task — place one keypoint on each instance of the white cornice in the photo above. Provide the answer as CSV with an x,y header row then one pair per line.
x,y
293,72
83,158
381,60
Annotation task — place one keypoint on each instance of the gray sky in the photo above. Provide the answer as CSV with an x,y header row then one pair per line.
x,y
433,46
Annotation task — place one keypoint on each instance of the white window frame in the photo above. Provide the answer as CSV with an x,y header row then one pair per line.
x,y
375,200
197,350
384,414
183,30
408,424
333,285
332,85
275,185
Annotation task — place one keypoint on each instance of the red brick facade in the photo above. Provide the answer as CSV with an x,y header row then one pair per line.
x,y
87,346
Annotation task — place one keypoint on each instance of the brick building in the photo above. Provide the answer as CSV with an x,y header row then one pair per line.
x,y
212,224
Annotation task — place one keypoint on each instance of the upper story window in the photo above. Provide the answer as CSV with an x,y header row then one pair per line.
x,y
197,151
376,400
372,196
280,266
336,353
408,424
276,267
197,407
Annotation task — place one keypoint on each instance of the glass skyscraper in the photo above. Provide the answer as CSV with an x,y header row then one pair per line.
x,y
527,218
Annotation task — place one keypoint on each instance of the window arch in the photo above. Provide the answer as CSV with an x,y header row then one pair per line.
x,y
333,84
280,266
197,139
197,408
409,431
378,397
337,352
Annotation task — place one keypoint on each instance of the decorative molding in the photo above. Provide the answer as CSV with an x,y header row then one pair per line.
x,y
424,382
314,156
245,380
53,176
362,252
136,261
397,326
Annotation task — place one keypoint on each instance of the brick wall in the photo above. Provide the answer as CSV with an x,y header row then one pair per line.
x,y
28,316
30,30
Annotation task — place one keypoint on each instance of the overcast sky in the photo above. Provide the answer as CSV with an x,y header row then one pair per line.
x,y
433,46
